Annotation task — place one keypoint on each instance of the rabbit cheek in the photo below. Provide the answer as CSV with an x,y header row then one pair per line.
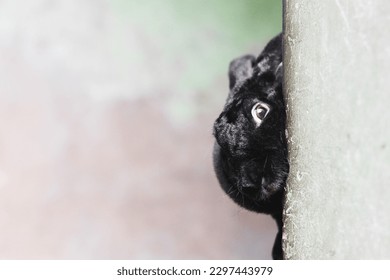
x,y
231,139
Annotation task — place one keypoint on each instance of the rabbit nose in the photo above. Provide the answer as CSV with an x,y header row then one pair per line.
x,y
252,180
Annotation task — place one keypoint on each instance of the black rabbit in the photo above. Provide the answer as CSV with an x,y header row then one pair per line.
x,y
250,152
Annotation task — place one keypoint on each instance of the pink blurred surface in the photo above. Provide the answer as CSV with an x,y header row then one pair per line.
x,y
96,162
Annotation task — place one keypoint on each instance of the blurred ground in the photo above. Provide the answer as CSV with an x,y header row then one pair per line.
x,y
105,129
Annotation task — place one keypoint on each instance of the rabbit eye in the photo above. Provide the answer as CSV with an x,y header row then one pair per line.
x,y
259,112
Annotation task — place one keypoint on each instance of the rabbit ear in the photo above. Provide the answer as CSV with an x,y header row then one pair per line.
x,y
279,72
240,69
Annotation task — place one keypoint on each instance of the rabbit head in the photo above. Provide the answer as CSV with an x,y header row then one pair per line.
x,y
250,154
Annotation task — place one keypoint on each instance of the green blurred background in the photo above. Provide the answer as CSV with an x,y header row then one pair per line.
x,y
192,42
106,130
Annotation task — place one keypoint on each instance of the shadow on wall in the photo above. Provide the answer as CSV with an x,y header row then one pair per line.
x,y
107,109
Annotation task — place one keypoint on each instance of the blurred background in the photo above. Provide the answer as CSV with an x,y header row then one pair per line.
x,y
106,121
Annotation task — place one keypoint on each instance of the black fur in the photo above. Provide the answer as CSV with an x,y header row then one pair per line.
x,y
250,159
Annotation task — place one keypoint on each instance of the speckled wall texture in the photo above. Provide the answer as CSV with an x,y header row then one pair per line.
x,y
337,67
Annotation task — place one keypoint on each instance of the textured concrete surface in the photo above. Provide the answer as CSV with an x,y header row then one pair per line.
x,y
337,67
105,129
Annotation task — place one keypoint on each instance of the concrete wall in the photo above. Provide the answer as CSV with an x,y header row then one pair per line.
x,y
337,65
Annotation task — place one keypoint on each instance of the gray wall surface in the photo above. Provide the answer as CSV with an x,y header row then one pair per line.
x,y
337,65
